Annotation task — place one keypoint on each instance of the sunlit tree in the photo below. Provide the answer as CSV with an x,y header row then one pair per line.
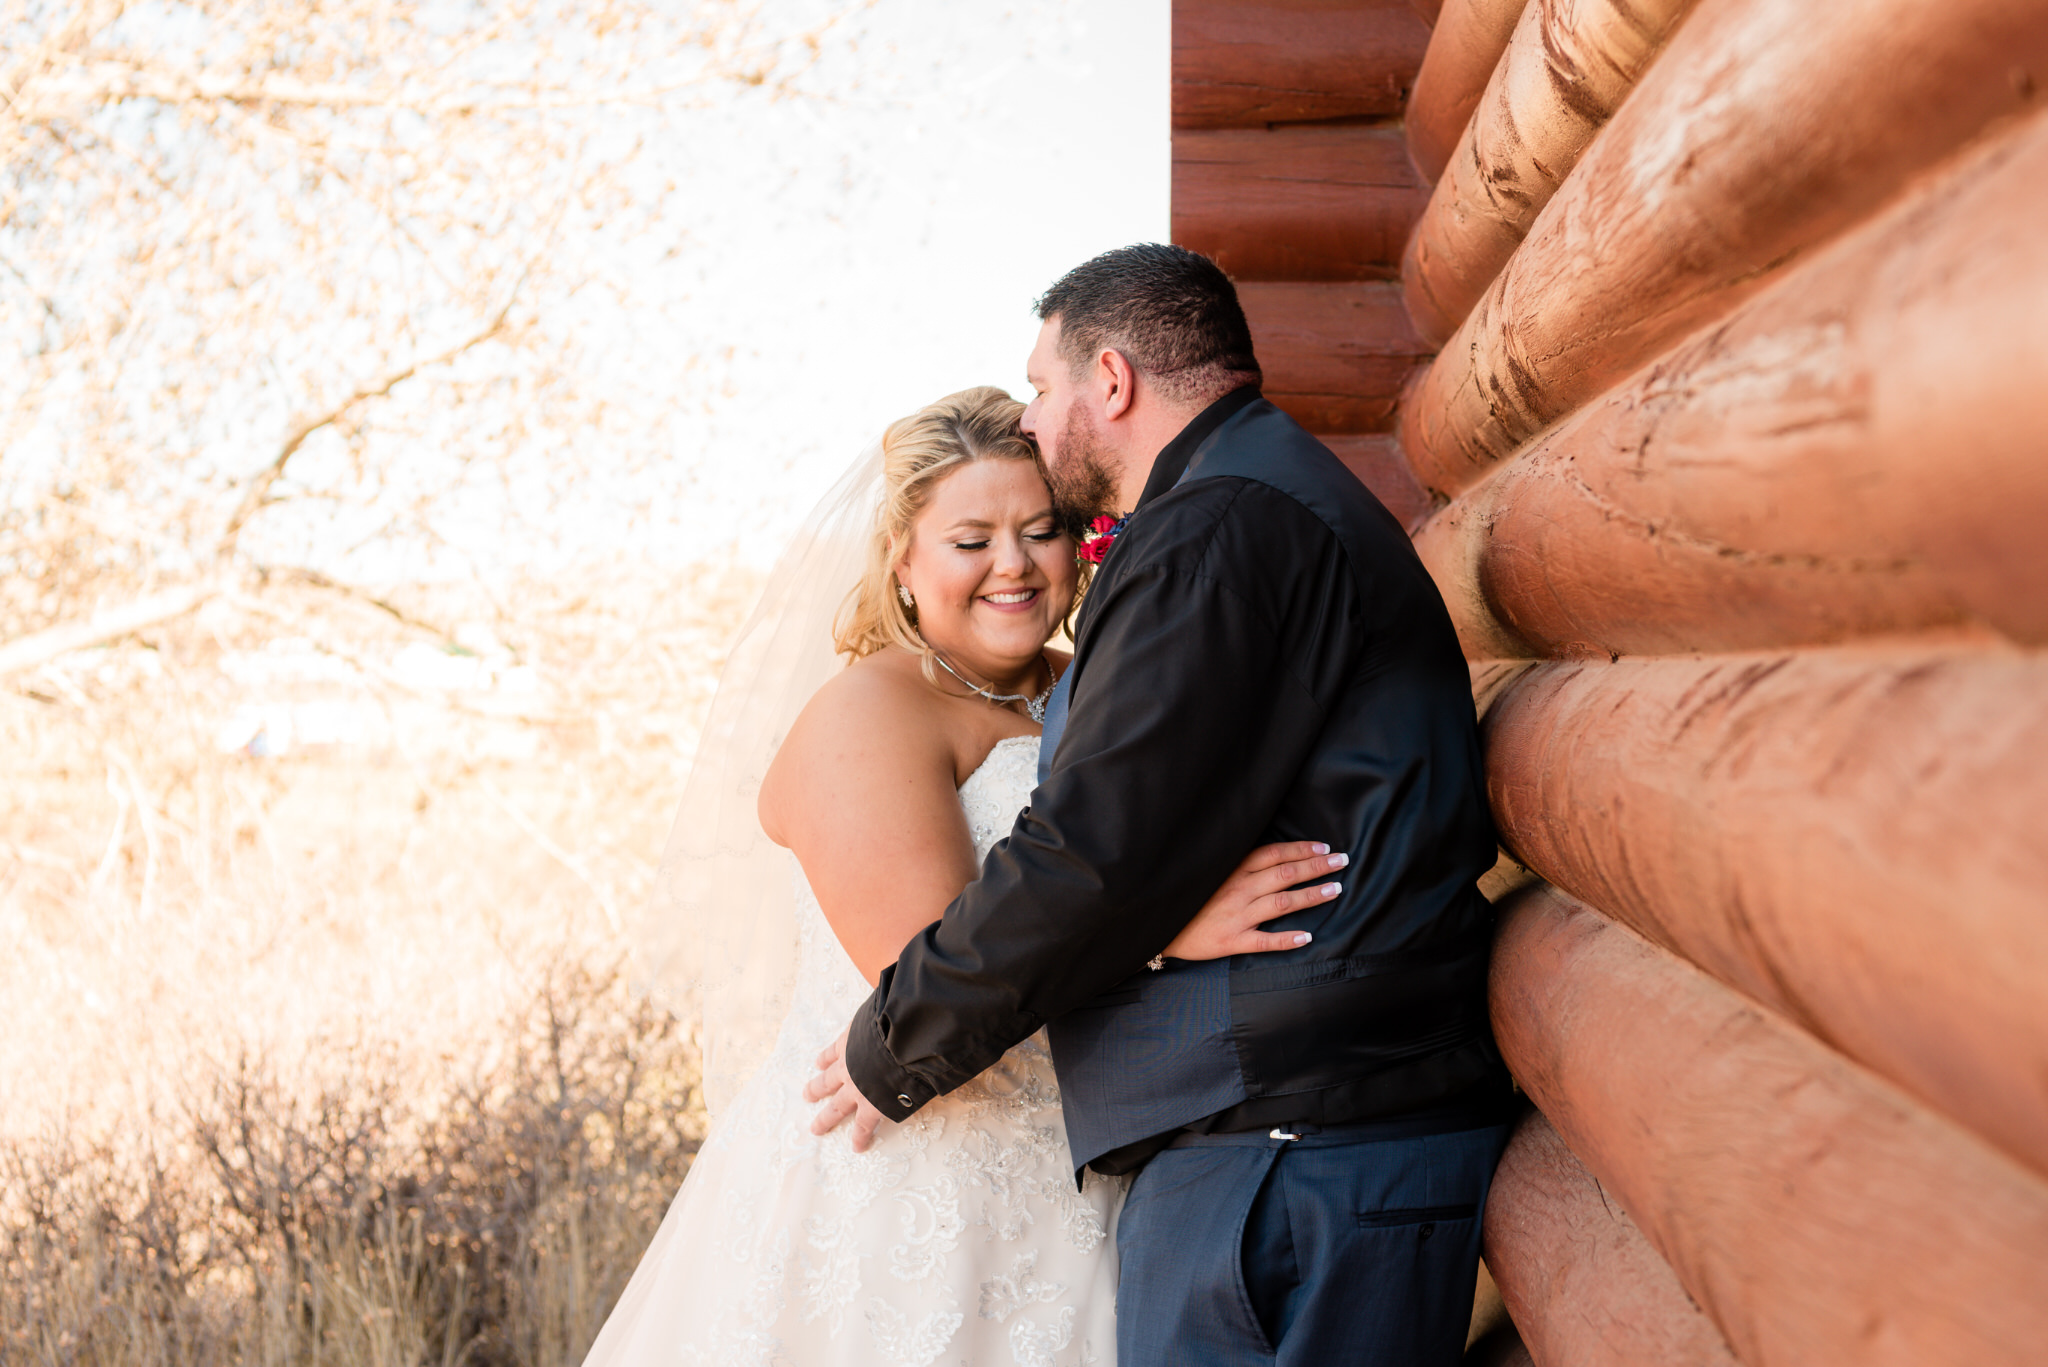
x,y
309,270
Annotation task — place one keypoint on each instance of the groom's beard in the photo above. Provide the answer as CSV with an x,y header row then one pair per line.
x,y
1083,485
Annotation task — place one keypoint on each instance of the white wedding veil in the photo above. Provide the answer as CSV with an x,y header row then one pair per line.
x,y
719,935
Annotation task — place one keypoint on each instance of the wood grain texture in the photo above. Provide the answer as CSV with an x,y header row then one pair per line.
x,y
1757,135
1583,1285
1852,837
1264,62
1854,452
1816,1214
1464,47
1296,203
1335,356
1566,70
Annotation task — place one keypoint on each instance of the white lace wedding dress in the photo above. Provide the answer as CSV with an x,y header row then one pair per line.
x,y
958,1238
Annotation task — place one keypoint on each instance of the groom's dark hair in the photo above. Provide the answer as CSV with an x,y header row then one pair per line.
x,y
1173,314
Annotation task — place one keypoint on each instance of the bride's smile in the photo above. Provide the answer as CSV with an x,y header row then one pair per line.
x,y
966,1235
991,572
999,853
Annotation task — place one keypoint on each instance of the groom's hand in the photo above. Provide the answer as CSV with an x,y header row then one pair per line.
x,y
834,1086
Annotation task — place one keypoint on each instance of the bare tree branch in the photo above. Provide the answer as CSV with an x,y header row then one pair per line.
x,y
182,287
54,97
40,647
20,73
317,580
261,482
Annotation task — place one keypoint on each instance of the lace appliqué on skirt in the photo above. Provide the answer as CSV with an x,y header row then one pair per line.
x,y
958,1238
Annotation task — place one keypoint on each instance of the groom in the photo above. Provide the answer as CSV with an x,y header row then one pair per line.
x,y
1261,657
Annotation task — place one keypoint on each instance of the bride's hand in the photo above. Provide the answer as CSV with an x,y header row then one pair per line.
x,y
833,1085
1229,921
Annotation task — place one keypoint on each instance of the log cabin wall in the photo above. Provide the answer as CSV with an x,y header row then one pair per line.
x,y
1703,344
1289,168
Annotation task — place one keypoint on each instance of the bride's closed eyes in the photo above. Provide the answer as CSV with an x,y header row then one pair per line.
x,y
989,570
1046,530
982,545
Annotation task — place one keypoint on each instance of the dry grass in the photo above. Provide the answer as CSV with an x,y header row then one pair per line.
x,y
329,1058
492,1221
322,1053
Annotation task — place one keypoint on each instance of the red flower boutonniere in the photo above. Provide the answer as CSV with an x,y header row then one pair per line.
x,y
1100,536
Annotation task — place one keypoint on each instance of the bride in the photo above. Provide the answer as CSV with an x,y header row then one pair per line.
x,y
962,1235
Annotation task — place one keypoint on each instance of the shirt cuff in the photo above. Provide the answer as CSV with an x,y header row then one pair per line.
x,y
874,1070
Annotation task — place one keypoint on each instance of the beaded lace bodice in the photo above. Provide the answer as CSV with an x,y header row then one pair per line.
x,y
959,1237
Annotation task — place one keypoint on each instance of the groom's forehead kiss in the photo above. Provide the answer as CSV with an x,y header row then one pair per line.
x,y
1049,372
1057,381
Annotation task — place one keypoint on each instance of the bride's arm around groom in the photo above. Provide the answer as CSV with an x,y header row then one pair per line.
x,y
1261,658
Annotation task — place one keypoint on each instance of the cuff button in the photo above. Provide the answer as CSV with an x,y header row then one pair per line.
x,y
902,1099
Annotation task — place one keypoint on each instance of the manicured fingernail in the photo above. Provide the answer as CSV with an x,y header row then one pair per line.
x,y
1302,939
1338,861
1320,849
1331,889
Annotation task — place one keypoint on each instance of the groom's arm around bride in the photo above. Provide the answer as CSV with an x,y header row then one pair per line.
x,y
1261,658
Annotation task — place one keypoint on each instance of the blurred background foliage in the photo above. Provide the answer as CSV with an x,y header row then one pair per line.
x,y
319,1047
399,405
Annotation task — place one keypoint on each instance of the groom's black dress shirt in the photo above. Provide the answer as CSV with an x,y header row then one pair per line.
x,y
1261,657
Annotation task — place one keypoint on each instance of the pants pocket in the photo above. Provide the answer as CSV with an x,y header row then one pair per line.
x,y
1421,1260
1428,1216
1180,1297
1268,1267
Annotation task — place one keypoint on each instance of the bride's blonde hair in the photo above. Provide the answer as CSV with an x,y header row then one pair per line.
x,y
918,453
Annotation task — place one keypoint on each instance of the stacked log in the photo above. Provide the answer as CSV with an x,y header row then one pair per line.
x,y
1849,454
1464,48
1730,474
1851,837
1290,169
1338,355
1758,134
1257,63
1566,69
1814,1213
1555,1237
1313,203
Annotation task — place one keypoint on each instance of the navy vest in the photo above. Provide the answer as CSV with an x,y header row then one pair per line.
x,y
1326,1040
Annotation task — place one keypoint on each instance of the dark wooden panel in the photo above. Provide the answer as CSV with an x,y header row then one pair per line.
x,y
1377,461
1336,356
1292,61
1296,203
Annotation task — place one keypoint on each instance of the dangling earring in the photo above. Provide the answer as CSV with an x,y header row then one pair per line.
x,y
904,594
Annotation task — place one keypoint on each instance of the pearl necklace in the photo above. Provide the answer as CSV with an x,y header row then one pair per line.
x,y
1035,707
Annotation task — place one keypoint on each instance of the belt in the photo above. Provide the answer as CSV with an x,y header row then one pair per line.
x,y
1306,1136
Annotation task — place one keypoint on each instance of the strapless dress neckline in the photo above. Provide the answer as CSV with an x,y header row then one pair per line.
x,y
958,1237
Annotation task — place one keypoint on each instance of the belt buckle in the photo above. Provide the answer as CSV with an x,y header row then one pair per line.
x,y
1279,1133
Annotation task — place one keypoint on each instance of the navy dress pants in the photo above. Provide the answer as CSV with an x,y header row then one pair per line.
x,y
1324,1250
